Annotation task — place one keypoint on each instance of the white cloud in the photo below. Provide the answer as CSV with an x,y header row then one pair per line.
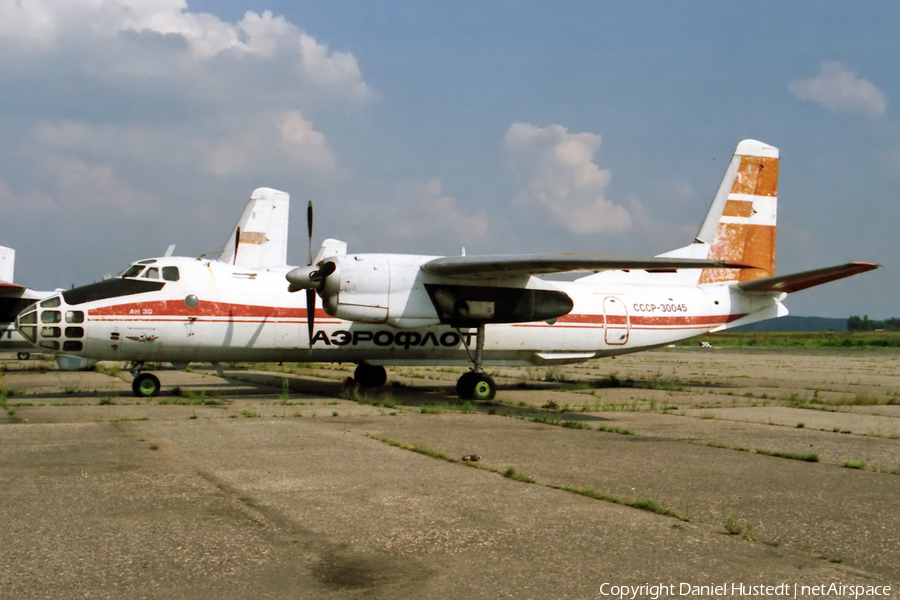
x,y
161,44
558,173
429,201
261,145
402,216
840,90
76,189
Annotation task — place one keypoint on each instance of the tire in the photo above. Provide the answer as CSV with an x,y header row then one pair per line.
x,y
145,385
465,385
23,356
484,388
370,375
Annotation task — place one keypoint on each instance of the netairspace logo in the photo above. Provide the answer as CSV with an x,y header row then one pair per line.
x,y
782,590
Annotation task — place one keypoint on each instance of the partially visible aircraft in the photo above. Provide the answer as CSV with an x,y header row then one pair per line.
x,y
14,299
379,310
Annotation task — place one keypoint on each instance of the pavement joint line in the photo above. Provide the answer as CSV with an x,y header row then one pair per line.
x,y
510,473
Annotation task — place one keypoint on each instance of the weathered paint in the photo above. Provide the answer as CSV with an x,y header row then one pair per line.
x,y
746,231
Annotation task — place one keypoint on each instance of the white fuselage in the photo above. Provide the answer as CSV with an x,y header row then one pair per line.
x,y
249,315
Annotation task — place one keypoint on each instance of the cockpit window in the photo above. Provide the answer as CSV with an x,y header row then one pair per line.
x,y
170,273
132,271
149,261
152,273
111,288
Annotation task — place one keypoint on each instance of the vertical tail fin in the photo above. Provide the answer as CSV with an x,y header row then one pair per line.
x,y
259,239
7,264
740,224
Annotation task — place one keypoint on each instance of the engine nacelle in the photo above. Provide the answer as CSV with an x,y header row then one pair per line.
x,y
359,288
391,288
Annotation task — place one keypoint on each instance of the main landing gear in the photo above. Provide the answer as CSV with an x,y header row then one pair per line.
x,y
475,385
145,385
370,375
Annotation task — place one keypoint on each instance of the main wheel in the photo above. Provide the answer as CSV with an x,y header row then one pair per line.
x,y
370,375
145,385
485,388
476,386
465,385
23,356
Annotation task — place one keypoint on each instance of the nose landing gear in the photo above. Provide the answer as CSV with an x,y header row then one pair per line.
x,y
145,385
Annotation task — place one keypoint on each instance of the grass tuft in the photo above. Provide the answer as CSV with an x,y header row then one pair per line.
x,y
642,504
792,455
734,526
511,473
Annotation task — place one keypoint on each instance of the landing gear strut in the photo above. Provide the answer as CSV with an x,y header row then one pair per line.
x,y
475,385
370,375
145,385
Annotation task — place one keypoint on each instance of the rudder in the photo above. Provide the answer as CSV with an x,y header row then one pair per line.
x,y
741,223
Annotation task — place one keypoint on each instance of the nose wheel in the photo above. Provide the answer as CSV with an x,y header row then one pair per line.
x,y
475,385
145,385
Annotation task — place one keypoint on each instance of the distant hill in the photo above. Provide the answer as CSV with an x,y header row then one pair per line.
x,y
790,323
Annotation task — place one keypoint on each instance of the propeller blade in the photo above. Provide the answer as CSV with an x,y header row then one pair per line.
x,y
237,242
309,221
311,313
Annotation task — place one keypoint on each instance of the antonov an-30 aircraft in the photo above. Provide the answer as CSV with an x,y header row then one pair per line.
x,y
378,310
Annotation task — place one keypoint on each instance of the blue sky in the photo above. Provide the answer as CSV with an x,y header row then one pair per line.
x,y
128,125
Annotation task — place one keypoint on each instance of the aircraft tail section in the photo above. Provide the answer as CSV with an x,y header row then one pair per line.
x,y
259,239
7,264
740,224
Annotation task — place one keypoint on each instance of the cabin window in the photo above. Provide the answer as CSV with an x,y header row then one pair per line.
x,y
51,316
170,273
50,332
30,332
74,316
50,345
72,346
74,332
30,318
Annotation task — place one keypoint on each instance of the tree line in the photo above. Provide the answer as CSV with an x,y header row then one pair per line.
x,y
857,323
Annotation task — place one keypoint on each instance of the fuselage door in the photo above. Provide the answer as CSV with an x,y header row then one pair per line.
x,y
617,321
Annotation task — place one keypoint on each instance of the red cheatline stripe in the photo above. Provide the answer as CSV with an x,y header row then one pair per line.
x,y
169,310
177,308
651,322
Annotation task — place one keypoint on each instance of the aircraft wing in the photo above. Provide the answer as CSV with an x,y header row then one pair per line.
x,y
522,265
9,287
800,281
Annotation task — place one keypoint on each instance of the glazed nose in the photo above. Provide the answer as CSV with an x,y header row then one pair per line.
x,y
50,326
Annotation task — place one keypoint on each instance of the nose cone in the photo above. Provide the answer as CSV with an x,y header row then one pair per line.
x,y
51,326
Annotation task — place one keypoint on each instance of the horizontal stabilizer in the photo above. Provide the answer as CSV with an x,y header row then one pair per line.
x,y
807,279
523,265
